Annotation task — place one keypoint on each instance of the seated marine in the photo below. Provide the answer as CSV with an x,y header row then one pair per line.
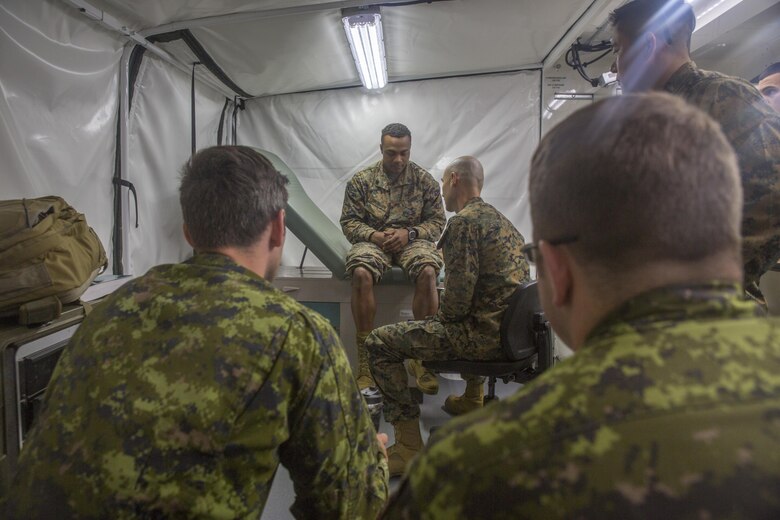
x,y
181,393
485,264
670,407
392,215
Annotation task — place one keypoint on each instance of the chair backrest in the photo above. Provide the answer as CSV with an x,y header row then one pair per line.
x,y
517,325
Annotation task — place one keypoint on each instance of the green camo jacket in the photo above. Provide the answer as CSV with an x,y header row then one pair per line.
x,y
372,203
181,394
670,410
753,129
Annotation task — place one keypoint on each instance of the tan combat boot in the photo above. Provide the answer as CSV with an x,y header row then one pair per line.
x,y
408,443
364,378
470,400
425,379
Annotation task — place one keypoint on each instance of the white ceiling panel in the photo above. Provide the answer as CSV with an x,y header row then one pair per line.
x,y
282,53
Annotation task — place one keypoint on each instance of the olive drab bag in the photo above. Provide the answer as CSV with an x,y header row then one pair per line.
x,y
48,257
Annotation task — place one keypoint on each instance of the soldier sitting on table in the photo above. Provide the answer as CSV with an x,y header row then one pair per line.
x,y
482,252
669,407
392,214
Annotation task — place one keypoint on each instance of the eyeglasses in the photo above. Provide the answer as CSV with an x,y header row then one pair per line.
x,y
531,251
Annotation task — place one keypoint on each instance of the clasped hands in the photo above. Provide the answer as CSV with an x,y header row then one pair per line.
x,y
391,240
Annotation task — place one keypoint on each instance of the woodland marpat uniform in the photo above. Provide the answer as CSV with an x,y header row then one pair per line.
x,y
372,203
671,409
181,394
753,129
485,264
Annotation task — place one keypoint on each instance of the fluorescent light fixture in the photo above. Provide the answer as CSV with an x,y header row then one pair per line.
x,y
364,33
708,10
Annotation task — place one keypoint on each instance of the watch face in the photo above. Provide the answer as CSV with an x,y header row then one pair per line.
x,y
412,234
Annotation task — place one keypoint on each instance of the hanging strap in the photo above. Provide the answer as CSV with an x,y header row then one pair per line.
x,y
129,185
192,97
221,128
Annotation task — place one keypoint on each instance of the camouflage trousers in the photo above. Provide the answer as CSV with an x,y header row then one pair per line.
x,y
390,345
412,258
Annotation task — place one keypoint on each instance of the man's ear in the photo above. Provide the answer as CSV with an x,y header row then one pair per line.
x,y
648,46
277,229
556,263
187,236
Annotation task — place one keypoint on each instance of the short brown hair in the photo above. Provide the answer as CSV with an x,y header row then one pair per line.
x,y
228,196
637,178
672,19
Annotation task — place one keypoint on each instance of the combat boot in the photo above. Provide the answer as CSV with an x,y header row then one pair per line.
x,y
364,379
408,443
425,380
471,399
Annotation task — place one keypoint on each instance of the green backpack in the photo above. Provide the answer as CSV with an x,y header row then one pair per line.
x,y
48,257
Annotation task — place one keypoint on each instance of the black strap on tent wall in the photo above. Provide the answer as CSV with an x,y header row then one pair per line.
x,y
221,128
203,57
134,65
192,106
238,104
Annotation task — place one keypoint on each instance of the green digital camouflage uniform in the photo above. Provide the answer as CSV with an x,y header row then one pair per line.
x,y
485,264
753,129
372,203
671,409
181,394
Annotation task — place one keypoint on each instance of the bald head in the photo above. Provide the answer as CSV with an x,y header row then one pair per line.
x,y
469,170
462,181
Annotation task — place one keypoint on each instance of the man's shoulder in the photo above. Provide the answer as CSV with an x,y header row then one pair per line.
x,y
210,291
420,174
692,356
367,174
712,88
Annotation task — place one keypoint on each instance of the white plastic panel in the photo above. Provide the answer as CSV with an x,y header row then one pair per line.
x,y
326,137
58,106
159,144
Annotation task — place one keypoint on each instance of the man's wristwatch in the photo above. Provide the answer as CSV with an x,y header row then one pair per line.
x,y
412,234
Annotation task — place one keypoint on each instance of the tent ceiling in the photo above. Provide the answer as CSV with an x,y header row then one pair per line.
x,y
308,50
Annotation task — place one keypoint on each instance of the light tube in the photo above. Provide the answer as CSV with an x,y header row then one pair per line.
x,y
364,34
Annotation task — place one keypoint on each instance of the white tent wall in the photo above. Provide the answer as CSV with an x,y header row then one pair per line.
x,y
326,137
58,106
159,143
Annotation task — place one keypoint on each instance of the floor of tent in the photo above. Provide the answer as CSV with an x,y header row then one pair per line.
x,y
431,415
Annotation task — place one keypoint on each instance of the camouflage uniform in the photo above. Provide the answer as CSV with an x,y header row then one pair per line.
x,y
181,394
372,203
484,267
753,129
671,409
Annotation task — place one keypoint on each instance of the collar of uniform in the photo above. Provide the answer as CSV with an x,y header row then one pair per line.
x,y
665,306
681,78
211,259
472,200
401,179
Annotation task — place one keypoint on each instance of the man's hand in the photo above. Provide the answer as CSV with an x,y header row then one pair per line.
x,y
396,240
382,438
379,238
